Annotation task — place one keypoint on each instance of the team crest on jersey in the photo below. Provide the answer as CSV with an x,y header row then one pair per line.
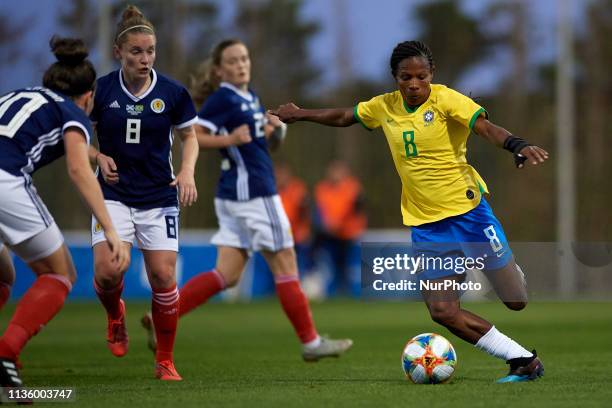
x,y
134,109
428,117
157,105
97,228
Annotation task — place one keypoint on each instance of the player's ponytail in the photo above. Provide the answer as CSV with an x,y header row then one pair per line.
x,y
73,74
132,21
205,81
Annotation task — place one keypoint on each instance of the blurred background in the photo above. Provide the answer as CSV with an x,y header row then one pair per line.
x,y
541,69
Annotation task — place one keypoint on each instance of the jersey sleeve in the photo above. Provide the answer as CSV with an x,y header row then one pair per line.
x,y
184,113
215,112
74,117
462,108
368,113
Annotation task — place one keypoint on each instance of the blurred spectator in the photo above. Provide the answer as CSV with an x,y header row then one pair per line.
x,y
294,195
340,221
296,201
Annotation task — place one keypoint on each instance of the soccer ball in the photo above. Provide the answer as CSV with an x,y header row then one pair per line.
x,y
429,359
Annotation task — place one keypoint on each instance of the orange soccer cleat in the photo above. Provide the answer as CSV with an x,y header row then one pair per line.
x,y
117,336
165,371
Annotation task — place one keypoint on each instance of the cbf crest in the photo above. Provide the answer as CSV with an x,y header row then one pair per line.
x,y
428,117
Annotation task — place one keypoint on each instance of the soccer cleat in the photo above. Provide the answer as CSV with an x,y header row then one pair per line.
x,y
147,323
524,369
117,337
165,371
327,348
9,375
9,379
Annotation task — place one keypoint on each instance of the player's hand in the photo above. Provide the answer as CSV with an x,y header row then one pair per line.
x,y
241,135
273,120
108,168
188,193
286,112
120,257
534,155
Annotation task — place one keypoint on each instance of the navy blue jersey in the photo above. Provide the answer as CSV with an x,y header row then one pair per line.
x,y
137,133
32,126
246,170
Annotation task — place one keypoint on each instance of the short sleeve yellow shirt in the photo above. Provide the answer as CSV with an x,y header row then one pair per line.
x,y
428,147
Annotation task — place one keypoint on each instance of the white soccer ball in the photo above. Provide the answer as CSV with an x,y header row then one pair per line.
x,y
429,359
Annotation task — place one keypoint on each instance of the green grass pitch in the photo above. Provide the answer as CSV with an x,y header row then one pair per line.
x,y
247,355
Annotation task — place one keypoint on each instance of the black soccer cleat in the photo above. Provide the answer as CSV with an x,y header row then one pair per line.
x,y
9,378
524,369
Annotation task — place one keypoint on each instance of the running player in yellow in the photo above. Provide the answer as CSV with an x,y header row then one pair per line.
x,y
427,126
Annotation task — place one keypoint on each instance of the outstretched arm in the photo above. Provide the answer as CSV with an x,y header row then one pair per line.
x,y
500,137
339,117
206,140
275,131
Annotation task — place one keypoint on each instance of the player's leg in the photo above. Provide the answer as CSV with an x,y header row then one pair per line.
x,y
271,235
197,290
157,232
295,305
108,285
50,260
161,271
232,241
108,281
481,235
510,285
445,308
227,272
7,274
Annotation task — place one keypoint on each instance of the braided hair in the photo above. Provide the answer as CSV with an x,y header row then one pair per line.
x,y
409,49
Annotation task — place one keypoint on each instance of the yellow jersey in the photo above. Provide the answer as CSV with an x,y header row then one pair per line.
x,y
428,147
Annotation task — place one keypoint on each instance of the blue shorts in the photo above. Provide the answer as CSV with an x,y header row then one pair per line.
x,y
476,235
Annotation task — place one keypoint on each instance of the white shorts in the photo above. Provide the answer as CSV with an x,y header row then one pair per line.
x,y
25,223
257,224
154,229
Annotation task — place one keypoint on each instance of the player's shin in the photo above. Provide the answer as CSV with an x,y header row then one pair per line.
x,y
296,307
110,298
36,308
164,308
199,289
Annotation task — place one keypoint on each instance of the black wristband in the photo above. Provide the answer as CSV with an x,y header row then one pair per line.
x,y
515,144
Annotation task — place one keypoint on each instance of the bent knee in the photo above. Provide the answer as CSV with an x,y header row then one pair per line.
x,y
516,305
231,281
106,274
444,315
72,276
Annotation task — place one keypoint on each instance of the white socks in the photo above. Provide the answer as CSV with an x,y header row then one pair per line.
x,y
499,345
312,344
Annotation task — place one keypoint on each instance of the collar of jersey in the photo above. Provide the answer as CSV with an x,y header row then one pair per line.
x,y
245,95
144,95
411,110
